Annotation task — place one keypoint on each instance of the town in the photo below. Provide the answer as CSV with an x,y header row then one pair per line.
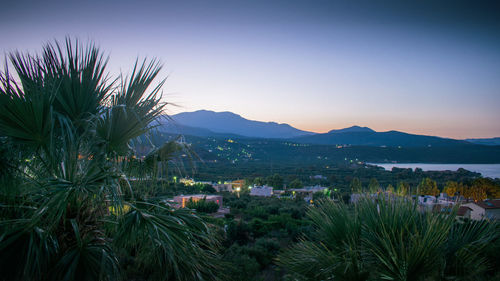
x,y
467,208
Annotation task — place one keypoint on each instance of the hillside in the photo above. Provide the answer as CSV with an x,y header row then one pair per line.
x,y
233,124
247,150
488,141
204,123
368,137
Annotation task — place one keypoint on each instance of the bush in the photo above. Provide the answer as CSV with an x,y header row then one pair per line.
x,y
390,239
203,206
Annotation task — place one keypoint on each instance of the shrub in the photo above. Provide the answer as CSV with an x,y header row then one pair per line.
x,y
203,206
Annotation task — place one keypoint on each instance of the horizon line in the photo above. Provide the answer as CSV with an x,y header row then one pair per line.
x,y
327,131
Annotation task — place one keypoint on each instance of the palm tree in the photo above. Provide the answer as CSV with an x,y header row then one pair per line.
x,y
67,129
388,239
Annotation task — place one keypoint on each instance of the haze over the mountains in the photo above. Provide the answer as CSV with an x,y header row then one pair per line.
x,y
205,123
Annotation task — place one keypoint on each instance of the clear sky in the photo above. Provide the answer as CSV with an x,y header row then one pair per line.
x,y
417,67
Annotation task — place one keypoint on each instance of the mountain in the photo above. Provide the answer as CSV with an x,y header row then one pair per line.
x,y
174,128
490,141
353,129
204,123
269,152
230,123
367,137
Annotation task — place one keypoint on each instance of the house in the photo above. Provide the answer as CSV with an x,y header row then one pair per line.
x,y
238,184
184,199
426,200
264,191
278,192
308,191
464,212
223,187
489,209
318,177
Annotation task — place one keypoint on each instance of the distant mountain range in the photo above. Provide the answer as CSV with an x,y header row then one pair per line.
x,y
204,123
490,141
232,124
368,137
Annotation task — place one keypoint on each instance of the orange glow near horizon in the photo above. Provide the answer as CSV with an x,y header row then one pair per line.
x,y
442,128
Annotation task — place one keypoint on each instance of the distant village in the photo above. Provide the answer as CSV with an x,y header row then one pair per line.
x,y
466,209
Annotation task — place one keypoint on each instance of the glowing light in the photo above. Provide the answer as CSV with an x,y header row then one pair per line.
x,y
119,210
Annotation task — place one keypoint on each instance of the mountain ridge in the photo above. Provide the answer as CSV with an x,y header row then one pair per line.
x,y
228,122
485,141
204,123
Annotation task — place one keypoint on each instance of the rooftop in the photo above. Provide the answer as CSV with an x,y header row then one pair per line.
x,y
489,204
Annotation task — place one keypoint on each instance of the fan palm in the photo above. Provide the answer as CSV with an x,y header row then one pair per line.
x,y
67,130
388,239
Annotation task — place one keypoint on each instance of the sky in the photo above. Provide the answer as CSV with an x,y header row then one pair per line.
x,y
425,67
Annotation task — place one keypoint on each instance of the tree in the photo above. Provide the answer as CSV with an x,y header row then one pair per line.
x,y
76,216
390,188
451,188
428,187
356,186
296,184
208,188
465,191
373,186
488,186
203,206
479,190
259,181
403,188
275,181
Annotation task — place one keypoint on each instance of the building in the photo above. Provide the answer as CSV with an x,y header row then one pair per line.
x,y
223,187
464,212
278,192
184,199
308,191
317,177
489,209
238,184
187,181
264,191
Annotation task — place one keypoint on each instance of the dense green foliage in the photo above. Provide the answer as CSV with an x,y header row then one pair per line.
x,y
203,206
390,239
68,211
257,229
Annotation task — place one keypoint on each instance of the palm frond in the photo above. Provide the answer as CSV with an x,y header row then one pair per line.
x,y
170,245
26,113
79,74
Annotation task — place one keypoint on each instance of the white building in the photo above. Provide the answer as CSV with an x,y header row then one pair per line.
x,y
264,191
489,209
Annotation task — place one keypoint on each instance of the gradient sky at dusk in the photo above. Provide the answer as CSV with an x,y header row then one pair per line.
x,y
422,68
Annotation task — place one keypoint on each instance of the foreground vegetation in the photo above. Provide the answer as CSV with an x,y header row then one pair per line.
x,y
68,211
390,239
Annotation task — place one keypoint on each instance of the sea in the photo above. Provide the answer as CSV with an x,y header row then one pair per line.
x,y
486,170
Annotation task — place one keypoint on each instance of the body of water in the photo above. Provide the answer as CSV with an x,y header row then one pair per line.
x,y
487,170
